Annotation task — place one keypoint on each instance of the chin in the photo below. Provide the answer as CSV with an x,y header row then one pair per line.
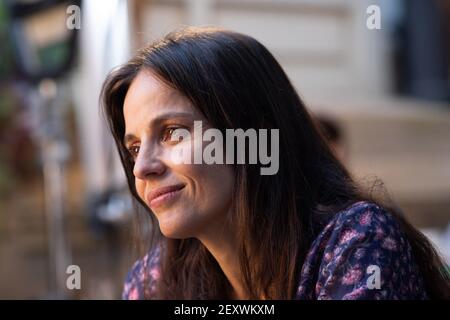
x,y
175,231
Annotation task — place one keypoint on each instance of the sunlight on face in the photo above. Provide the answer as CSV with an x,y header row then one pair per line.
x,y
189,200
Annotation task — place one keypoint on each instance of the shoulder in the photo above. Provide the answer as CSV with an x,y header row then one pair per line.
x,y
362,220
362,253
140,281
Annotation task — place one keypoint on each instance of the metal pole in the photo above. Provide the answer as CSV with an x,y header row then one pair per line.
x,y
54,154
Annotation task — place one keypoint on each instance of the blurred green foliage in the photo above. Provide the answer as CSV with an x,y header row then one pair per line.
x,y
6,55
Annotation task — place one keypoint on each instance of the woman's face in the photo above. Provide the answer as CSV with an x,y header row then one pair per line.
x,y
189,200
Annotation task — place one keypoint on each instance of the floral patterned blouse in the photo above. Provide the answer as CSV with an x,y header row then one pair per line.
x,y
361,253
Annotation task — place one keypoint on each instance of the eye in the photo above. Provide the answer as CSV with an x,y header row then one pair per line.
x,y
133,151
172,134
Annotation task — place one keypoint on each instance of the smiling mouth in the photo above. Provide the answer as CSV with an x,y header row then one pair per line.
x,y
163,196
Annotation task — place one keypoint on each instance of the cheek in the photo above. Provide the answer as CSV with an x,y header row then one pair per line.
x,y
213,185
140,188
206,179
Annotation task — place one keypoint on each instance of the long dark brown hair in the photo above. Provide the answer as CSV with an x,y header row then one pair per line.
x,y
236,83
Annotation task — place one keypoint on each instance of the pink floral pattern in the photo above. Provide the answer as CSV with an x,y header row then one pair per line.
x,y
336,267
136,282
363,235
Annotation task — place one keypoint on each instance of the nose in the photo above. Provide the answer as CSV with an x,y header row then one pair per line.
x,y
148,163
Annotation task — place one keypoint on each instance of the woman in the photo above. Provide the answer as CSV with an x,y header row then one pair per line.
x,y
226,231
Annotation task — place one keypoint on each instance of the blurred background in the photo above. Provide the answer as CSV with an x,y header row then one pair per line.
x,y
383,95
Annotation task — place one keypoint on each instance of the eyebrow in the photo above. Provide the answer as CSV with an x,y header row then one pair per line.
x,y
166,116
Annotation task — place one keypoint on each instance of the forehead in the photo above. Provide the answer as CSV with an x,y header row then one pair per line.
x,y
149,95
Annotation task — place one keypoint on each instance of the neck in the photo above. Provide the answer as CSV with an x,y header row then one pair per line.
x,y
221,242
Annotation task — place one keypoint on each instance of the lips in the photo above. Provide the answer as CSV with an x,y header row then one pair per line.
x,y
163,195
